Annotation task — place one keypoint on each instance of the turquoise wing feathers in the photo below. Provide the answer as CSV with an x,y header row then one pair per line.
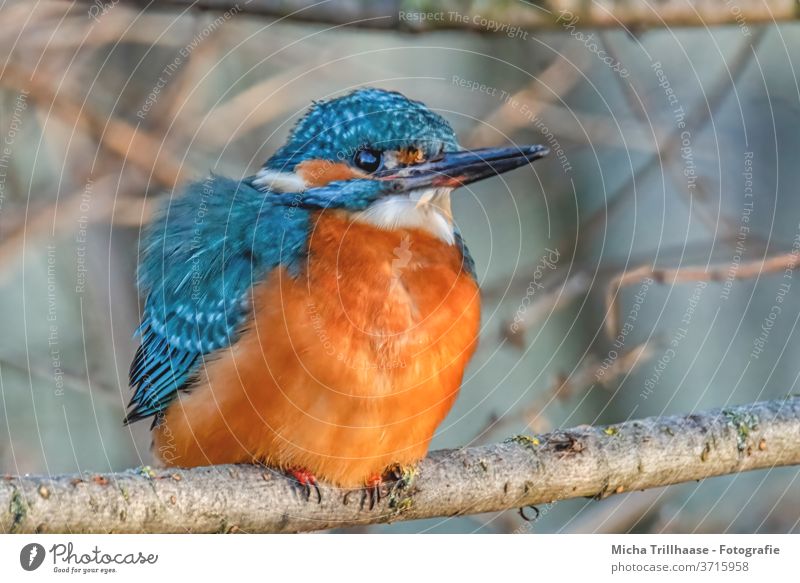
x,y
201,257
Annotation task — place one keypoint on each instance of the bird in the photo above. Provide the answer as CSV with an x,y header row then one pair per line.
x,y
316,317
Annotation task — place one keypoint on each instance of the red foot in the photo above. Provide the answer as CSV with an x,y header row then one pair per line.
x,y
372,490
306,480
375,486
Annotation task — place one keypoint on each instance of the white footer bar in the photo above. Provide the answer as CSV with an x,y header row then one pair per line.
x,y
401,557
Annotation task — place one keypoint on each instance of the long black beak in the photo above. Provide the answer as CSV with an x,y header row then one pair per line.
x,y
454,169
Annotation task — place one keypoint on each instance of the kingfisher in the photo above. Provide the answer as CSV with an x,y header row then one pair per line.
x,y
318,316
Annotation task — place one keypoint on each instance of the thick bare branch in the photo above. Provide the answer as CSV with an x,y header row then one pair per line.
x,y
585,461
483,16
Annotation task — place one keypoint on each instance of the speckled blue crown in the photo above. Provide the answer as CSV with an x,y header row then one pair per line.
x,y
335,129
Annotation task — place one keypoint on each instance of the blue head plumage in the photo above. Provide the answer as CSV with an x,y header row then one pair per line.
x,y
374,119
388,145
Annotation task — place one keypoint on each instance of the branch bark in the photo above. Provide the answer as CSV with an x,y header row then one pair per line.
x,y
486,17
523,471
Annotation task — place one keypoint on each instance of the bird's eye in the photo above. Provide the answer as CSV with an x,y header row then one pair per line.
x,y
368,160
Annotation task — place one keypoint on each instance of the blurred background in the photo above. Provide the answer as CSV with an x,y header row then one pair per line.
x,y
622,277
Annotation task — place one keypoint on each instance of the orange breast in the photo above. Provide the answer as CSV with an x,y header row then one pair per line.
x,y
346,370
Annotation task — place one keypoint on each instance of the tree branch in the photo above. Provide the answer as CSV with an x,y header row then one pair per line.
x,y
523,471
482,16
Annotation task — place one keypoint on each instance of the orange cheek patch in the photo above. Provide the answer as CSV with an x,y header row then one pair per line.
x,y
321,172
409,156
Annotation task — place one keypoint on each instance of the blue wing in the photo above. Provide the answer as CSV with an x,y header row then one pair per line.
x,y
201,257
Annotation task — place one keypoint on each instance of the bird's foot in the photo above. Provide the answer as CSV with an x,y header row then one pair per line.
x,y
305,480
372,491
402,480
379,486
401,476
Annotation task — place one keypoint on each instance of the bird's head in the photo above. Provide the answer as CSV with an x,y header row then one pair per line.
x,y
387,159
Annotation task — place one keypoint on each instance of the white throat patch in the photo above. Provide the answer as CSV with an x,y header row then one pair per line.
x,y
277,181
428,210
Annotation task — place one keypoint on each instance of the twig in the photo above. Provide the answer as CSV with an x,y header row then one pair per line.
x,y
713,221
728,271
557,285
97,202
586,461
696,119
589,373
554,82
552,299
132,144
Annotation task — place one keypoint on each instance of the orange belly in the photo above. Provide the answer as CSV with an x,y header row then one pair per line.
x,y
346,369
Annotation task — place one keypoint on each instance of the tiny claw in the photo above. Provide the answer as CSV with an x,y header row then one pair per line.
x,y
372,491
306,480
393,473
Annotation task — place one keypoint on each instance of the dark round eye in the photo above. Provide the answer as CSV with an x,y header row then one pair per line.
x,y
368,160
